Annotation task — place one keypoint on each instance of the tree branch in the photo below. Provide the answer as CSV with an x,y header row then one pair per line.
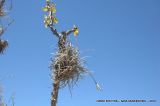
x,y
54,31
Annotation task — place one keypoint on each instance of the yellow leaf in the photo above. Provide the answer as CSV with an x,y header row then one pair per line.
x,y
47,21
55,20
46,24
45,9
53,9
76,31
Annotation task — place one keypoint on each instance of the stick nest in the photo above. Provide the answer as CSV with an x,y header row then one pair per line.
x,y
67,66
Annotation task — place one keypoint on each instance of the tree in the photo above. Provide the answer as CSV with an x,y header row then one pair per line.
x,y
3,26
67,67
3,43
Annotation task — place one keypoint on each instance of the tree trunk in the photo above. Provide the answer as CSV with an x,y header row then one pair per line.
x,y
55,92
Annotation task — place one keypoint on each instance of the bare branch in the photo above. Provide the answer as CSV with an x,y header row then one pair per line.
x,y
54,31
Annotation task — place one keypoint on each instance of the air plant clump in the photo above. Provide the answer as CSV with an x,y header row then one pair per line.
x,y
68,66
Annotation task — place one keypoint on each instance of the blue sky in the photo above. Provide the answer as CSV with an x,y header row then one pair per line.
x,y
120,37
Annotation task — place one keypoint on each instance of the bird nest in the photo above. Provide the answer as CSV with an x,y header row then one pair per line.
x,y
67,66
3,45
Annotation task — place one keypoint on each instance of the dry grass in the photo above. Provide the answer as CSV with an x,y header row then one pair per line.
x,y
68,66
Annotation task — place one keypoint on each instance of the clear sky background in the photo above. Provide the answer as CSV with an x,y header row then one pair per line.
x,y
120,37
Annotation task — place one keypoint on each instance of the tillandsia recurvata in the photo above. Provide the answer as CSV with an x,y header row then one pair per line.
x,y
5,21
67,66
